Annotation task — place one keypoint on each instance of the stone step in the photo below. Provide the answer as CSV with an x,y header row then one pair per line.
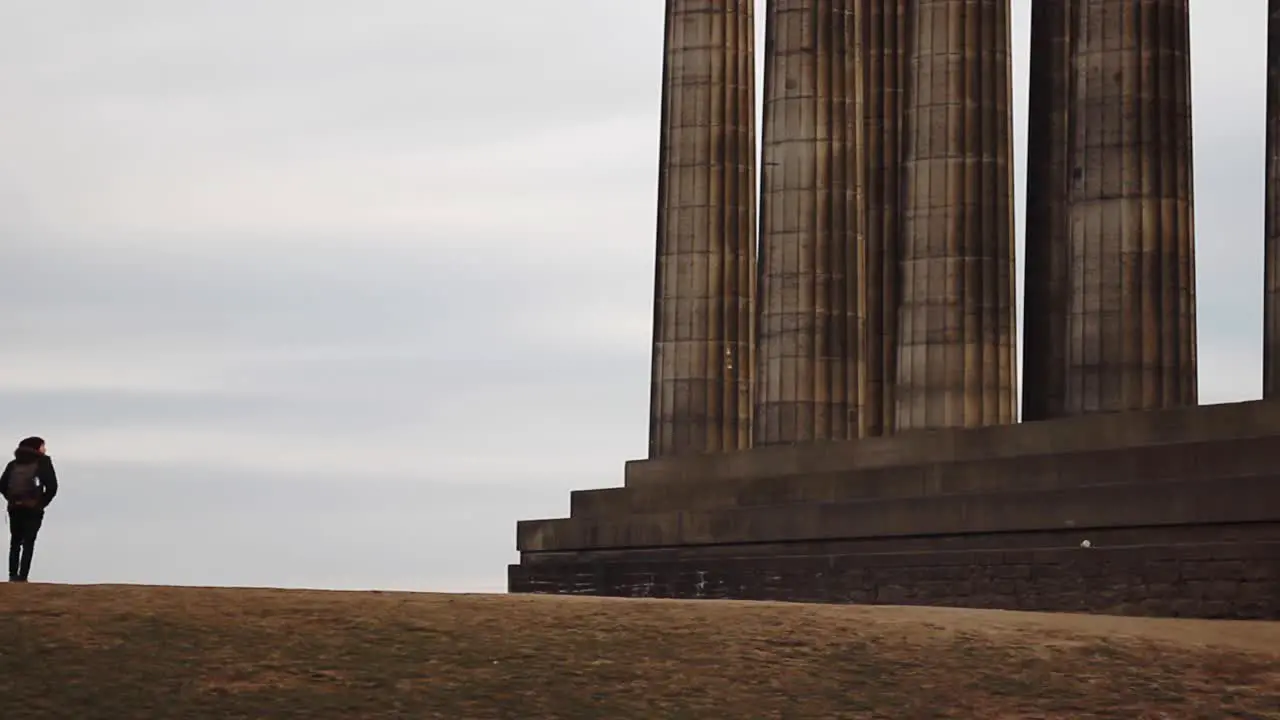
x,y
1253,498
1038,539
1181,461
1258,418
1239,580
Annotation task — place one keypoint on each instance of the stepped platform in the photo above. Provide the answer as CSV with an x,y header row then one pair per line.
x,y
1166,513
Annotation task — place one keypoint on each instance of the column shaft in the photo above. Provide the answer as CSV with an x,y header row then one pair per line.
x,y
704,286
1271,304
883,42
955,349
1046,281
811,327
1131,313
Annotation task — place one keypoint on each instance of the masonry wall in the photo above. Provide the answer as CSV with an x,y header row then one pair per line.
x,y
1204,423
1238,580
1181,509
1151,464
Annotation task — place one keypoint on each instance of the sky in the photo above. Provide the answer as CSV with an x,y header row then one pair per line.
x,y
330,294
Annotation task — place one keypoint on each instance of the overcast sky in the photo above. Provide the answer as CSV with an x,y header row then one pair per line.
x,y
330,294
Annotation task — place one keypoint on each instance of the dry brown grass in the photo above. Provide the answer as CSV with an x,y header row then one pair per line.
x,y
139,652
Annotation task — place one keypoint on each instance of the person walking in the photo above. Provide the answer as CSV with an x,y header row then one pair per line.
x,y
28,484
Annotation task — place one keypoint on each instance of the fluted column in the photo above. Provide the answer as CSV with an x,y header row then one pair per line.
x,y
956,333
704,287
1271,306
883,45
811,328
1047,280
1131,314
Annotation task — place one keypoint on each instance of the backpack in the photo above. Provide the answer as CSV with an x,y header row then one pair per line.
x,y
24,489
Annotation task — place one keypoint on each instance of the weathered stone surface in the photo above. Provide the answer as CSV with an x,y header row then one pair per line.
x,y
1227,580
1271,306
884,24
1181,504
1220,500
1150,464
1046,287
955,344
1259,418
1025,545
1131,307
1181,507
811,330
703,346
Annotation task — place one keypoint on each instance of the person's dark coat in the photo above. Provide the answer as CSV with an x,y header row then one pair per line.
x,y
45,472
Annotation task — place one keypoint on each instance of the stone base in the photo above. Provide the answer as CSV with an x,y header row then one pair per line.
x,y
1180,510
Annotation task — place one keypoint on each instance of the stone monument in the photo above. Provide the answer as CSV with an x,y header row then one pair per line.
x,y
844,430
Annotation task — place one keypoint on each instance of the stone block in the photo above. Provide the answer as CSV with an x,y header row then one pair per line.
x,y
1105,584
1229,500
1176,462
1122,430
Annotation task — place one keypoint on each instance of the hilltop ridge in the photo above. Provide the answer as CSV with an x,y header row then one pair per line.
x,y
148,652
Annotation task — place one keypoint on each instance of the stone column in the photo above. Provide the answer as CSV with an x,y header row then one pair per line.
x,y
883,45
705,272
1047,280
1271,306
811,327
1131,342
955,345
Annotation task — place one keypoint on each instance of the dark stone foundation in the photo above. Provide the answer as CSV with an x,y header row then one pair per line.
x,y
1180,508
1229,580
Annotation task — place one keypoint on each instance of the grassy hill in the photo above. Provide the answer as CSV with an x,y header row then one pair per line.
x,y
141,652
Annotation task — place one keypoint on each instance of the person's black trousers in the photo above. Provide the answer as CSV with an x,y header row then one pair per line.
x,y
24,525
